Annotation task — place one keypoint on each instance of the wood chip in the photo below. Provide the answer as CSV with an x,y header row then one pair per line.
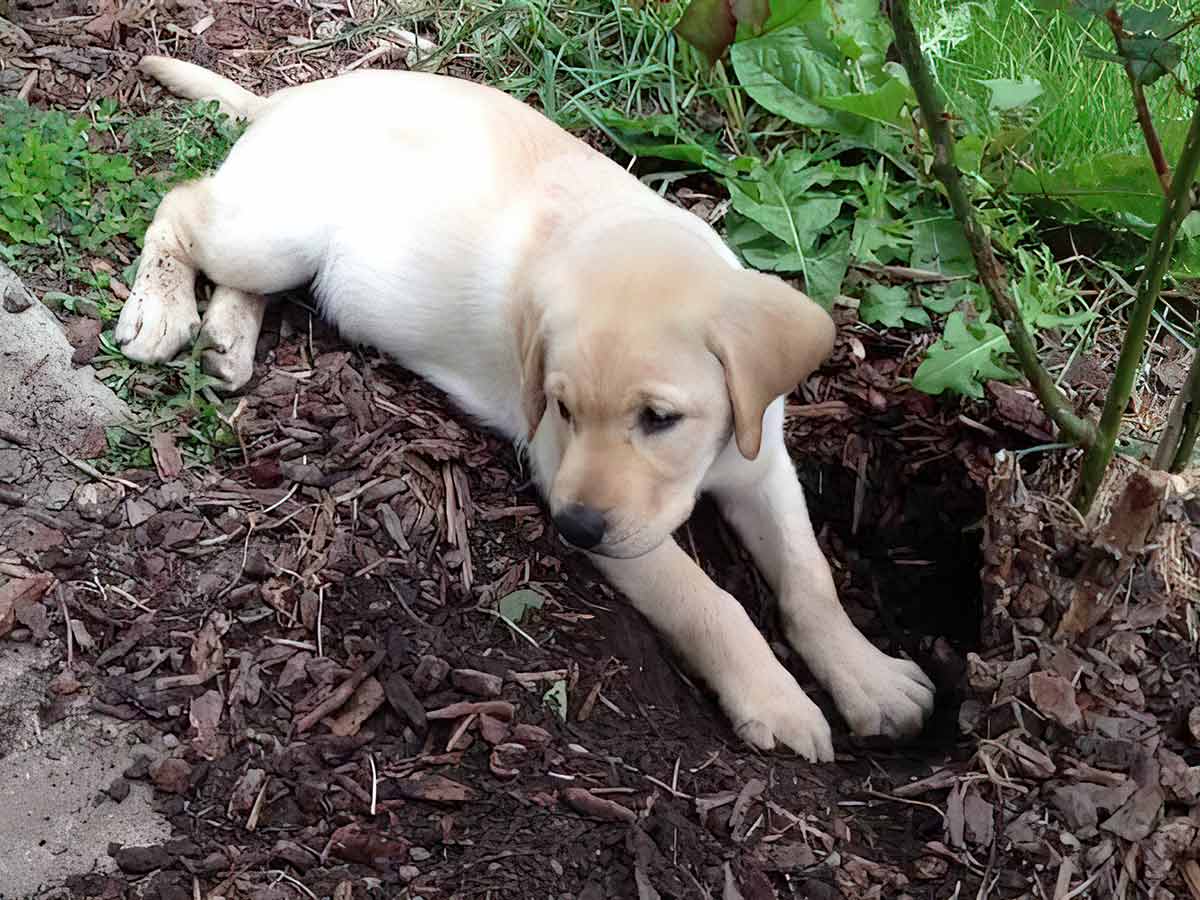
x,y
435,789
365,700
1054,697
19,592
584,801
342,693
500,709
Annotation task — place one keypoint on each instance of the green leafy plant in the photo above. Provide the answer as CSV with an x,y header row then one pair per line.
x,y
1097,438
967,355
822,64
52,184
891,307
75,190
74,180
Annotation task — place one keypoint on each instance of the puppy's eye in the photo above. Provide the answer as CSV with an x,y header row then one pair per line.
x,y
564,412
653,421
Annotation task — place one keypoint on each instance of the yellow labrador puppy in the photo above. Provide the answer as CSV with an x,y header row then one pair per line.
x,y
561,302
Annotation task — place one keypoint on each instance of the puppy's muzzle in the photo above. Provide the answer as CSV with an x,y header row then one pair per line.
x,y
580,525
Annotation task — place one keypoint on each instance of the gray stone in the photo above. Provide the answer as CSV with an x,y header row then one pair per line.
x,y
43,397
48,782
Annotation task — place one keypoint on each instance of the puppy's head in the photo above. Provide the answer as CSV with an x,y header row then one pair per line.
x,y
646,353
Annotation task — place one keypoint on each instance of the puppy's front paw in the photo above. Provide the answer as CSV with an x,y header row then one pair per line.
x,y
776,711
880,694
152,330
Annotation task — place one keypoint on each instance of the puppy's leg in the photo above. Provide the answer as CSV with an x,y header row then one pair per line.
x,y
233,229
716,638
711,631
229,335
764,502
159,319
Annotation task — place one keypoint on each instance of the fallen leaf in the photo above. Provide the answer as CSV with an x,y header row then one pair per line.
x,y
493,730
1019,408
1054,697
167,458
82,637
355,843
530,735
435,789
506,758
204,714
21,590
367,698
139,511
1137,818
32,614
750,792
731,890
1031,761
645,890
293,669
183,534
207,653
556,699
514,606
1077,804
103,24
980,818
84,335
956,823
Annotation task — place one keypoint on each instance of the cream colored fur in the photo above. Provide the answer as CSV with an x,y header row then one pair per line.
x,y
559,301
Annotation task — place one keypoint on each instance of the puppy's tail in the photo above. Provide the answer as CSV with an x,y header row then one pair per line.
x,y
193,82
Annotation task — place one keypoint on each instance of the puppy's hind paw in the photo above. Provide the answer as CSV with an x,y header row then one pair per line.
x,y
230,335
232,364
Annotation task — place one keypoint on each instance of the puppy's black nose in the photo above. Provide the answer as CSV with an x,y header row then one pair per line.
x,y
580,525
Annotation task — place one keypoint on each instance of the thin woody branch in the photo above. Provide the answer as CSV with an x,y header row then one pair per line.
x,y
991,271
1178,440
1141,107
1176,205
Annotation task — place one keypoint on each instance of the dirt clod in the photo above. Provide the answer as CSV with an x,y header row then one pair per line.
x,y
141,860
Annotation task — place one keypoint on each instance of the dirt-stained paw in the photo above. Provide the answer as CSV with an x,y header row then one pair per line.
x,y
230,335
153,331
231,363
776,712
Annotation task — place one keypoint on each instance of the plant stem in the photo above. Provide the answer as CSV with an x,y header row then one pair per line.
x,y
1178,439
1153,144
1176,205
1074,428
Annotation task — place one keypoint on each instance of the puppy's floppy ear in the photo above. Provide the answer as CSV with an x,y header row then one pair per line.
x,y
531,351
769,337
